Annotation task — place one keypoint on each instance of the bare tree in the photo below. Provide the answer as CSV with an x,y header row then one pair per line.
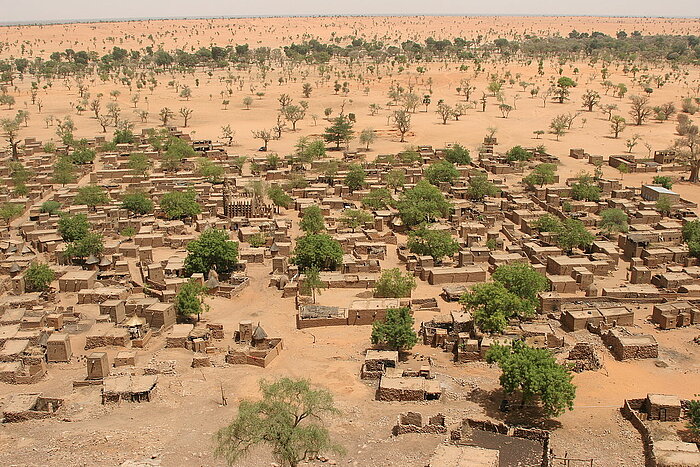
x,y
264,135
640,110
186,113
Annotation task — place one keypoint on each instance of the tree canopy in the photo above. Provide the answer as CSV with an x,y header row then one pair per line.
x,y
441,171
180,204
457,154
542,174
189,300
585,189
312,220
480,187
492,305
394,284
396,331
286,419
39,276
137,203
435,243
422,203
317,251
212,250
536,375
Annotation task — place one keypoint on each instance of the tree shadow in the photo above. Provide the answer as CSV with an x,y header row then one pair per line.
x,y
531,415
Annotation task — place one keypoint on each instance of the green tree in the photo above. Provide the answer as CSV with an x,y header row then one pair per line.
x,y
212,250
50,207
614,220
312,220
39,277
694,416
442,171
312,283
367,137
63,172
457,154
282,420
177,150
536,375
480,187
617,125
664,181
396,331
339,132
435,243
691,235
542,174
422,203
91,196
395,179
137,203
354,218
189,300
492,305
92,244
82,156
180,204
548,223
574,235
139,163
377,199
9,211
355,178
394,284
518,153
584,188
664,205
279,197
524,281
72,227
317,251
562,90
210,170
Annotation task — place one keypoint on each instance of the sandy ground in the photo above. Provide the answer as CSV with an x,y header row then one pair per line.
x,y
177,427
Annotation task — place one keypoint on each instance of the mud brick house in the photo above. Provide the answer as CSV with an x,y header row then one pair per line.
x,y
376,363
75,281
675,314
129,388
408,389
22,407
625,345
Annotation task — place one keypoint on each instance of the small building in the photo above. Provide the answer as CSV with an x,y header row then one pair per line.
x,y
408,389
129,388
663,407
58,348
654,192
21,407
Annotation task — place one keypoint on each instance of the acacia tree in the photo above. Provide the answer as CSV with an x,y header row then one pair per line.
x,y
10,131
294,113
282,420
688,152
189,300
339,132
312,283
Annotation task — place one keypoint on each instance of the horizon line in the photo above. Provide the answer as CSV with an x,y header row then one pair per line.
x,y
63,21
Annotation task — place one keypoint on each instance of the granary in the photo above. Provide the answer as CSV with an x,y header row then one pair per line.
x,y
58,348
